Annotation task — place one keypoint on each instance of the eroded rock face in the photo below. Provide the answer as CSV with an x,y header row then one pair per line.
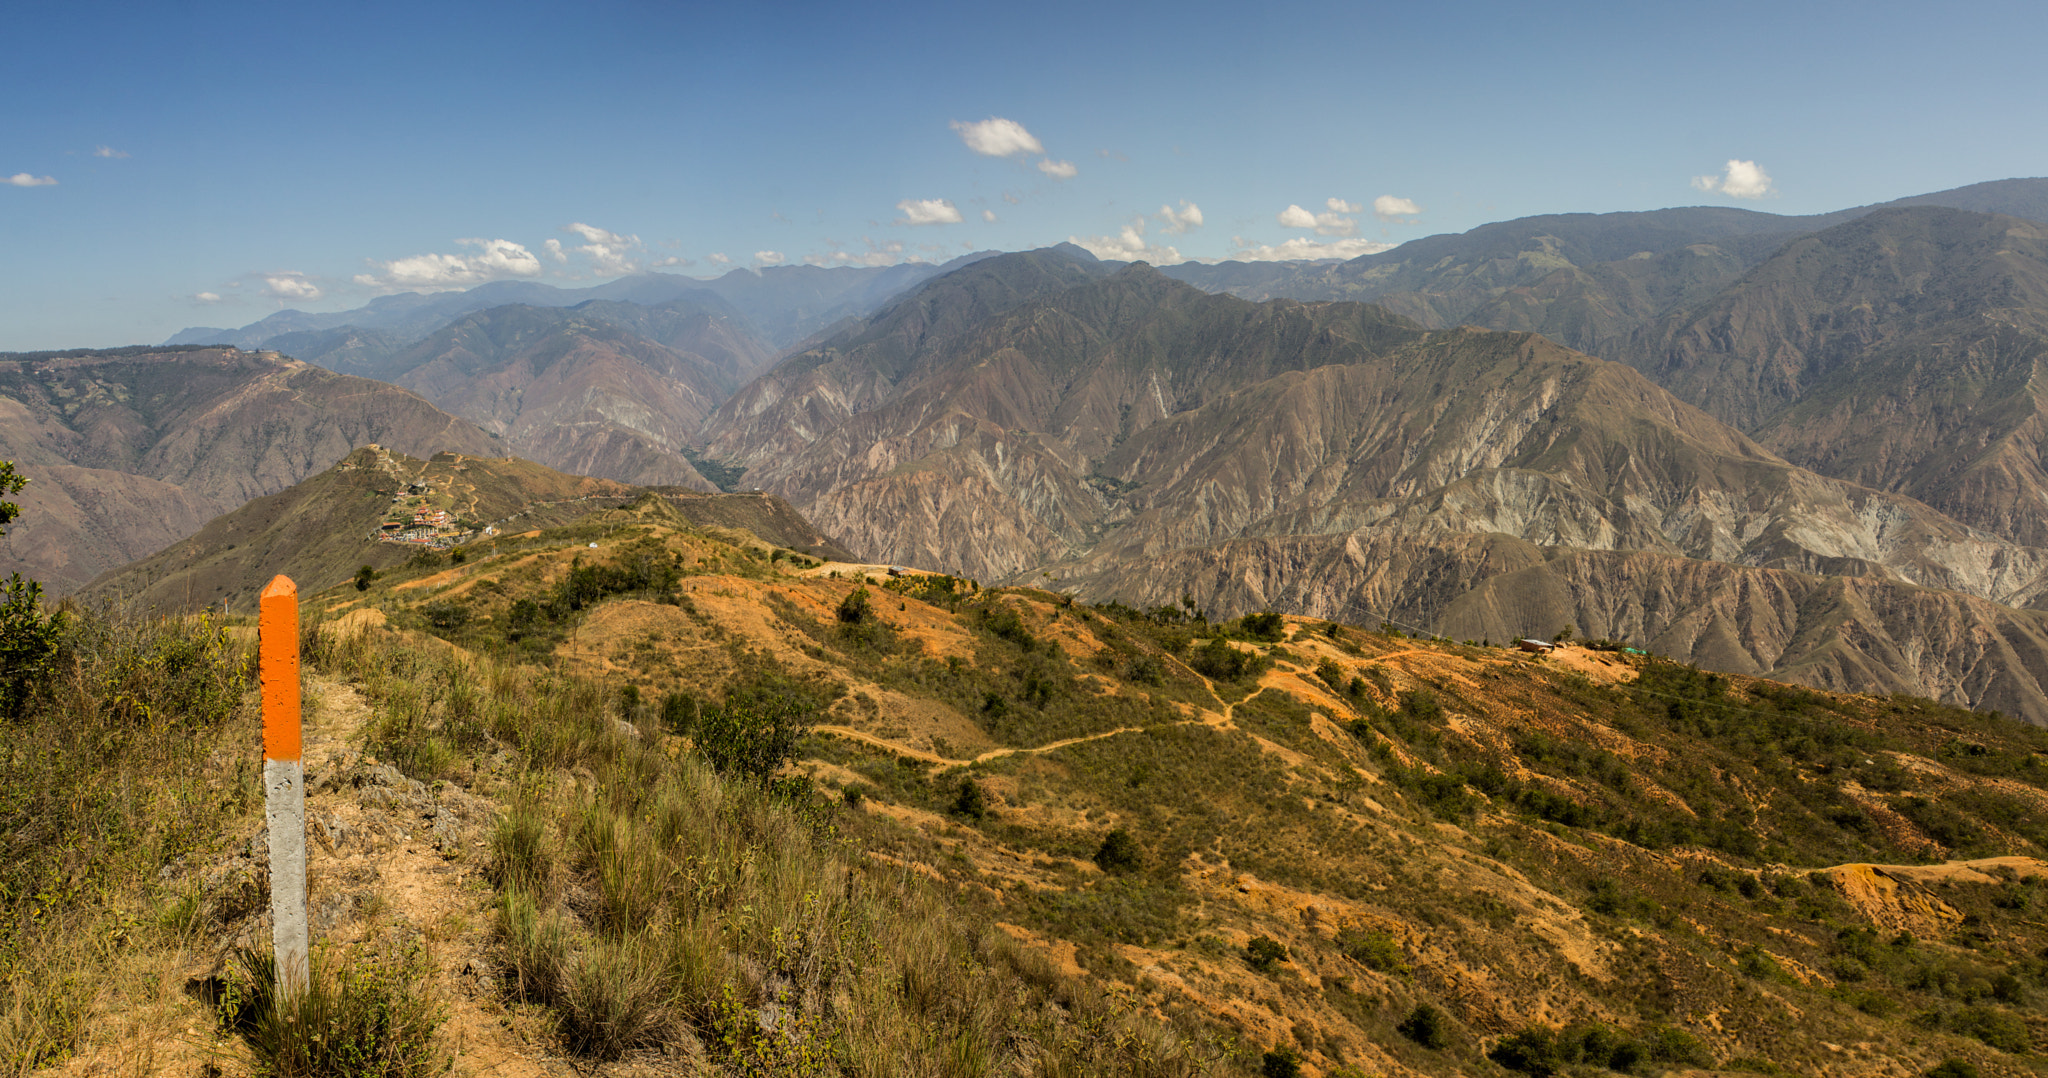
x,y
1136,439
1856,634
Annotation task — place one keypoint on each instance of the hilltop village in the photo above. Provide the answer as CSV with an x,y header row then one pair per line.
x,y
420,517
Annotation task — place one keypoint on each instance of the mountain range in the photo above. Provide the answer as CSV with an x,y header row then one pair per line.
x,y
1803,447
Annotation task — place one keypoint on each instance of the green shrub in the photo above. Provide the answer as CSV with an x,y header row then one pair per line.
x,y
855,608
1263,952
1532,1051
1266,626
1377,951
1222,662
754,732
1426,1026
363,1015
1281,1062
1999,1029
971,801
1119,853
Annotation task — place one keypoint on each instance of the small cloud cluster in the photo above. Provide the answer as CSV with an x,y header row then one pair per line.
x,y
610,254
769,258
1129,245
927,211
108,151
1301,247
1188,216
989,216
999,137
207,297
291,285
23,179
718,258
1392,208
1337,219
490,261
1739,179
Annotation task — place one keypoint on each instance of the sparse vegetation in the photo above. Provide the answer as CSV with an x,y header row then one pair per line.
x,y
678,881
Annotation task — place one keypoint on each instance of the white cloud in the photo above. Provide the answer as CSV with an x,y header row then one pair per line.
x,y
208,297
928,211
1188,216
1296,217
1013,198
493,260
1741,179
553,249
718,258
108,151
291,284
989,216
1302,247
673,260
594,234
997,137
1393,208
1058,170
769,258
1128,246
23,179
1332,222
611,254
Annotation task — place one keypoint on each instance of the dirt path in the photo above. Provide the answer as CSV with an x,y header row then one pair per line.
x,y
1222,719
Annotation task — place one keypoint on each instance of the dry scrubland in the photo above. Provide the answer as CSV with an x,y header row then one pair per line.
x,y
553,832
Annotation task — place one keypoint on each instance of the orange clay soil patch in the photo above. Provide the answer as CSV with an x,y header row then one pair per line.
x,y
356,621
445,576
1897,896
1060,952
1598,667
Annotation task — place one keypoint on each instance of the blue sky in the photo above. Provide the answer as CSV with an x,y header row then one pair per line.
x,y
174,164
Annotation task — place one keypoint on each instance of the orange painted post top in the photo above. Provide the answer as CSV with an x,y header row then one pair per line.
x,y
277,636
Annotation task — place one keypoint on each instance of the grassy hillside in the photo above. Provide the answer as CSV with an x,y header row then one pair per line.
x,y
1020,835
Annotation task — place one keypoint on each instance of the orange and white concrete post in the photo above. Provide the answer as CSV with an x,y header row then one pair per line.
x,y
284,783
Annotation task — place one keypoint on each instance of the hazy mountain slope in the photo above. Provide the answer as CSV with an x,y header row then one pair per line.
x,y
575,392
1900,351
406,316
808,395
128,452
783,304
1587,281
77,523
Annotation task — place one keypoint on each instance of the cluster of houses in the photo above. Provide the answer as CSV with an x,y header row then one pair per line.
x,y
415,521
